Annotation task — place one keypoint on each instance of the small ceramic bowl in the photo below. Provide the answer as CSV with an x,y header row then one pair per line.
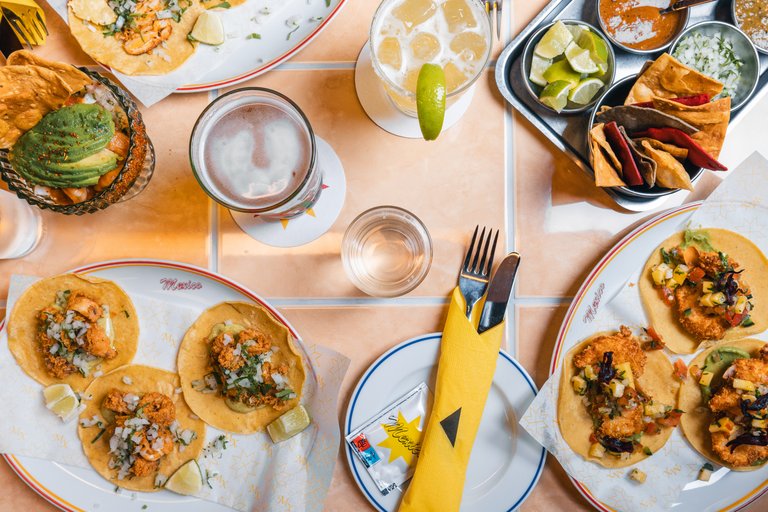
x,y
614,96
736,22
742,47
136,172
683,23
535,90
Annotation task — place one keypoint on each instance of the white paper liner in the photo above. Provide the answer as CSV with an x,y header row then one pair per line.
x,y
254,473
738,204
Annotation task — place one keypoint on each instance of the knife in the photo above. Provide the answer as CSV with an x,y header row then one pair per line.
x,y
498,293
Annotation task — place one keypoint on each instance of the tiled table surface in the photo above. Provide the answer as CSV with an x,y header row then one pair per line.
x,y
507,174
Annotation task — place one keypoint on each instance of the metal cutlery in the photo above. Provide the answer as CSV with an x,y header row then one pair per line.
x,y
499,290
476,272
491,6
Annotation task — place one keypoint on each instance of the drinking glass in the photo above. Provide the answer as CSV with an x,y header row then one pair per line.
x,y
406,34
386,251
20,227
253,150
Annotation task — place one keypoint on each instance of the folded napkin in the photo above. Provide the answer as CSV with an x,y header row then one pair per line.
x,y
464,376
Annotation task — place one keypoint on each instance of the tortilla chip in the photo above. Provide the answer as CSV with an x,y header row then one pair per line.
x,y
75,78
638,119
109,50
645,164
27,93
711,119
675,151
607,173
669,78
669,172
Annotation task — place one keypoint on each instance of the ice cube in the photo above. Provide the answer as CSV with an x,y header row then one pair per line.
x,y
454,77
425,46
411,79
414,12
458,15
389,52
469,46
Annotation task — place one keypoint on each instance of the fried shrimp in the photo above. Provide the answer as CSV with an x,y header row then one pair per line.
x,y
157,408
624,347
114,402
255,342
86,307
147,31
712,264
143,467
753,370
223,352
153,450
626,425
97,343
725,399
742,456
695,318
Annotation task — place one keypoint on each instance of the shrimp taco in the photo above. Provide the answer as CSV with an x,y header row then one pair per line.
x,y
239,368
727,404
705,285
616,404
136,429
72,328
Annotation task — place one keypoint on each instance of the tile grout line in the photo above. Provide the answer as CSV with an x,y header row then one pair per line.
x,y
213,217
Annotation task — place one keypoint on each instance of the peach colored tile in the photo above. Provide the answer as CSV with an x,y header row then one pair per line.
x,y
537,328
17,496
451,184
168,220
524,12
362,334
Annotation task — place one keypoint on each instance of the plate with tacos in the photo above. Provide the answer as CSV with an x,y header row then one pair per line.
x,y
693,373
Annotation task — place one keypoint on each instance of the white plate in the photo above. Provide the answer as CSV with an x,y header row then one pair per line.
x,y
275,45
506,462
82,489
732,490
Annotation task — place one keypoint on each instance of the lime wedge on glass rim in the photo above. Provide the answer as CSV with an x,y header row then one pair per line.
x,y
430,100
188,479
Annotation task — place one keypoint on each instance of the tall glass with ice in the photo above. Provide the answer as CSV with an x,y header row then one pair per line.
x,y
406,34
253,150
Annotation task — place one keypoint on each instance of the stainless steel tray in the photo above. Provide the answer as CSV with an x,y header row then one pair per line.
x,y
568,132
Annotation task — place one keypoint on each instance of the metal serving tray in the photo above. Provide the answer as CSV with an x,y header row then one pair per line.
x,y
568,132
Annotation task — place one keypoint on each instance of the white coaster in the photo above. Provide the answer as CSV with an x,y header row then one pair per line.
x,y
376,103
316,221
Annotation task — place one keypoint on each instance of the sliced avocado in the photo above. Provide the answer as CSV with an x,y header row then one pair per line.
x,y
101,162
83,173
717,362
239,406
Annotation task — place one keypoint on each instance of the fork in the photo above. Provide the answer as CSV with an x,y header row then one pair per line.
x,y
495,5
475,273
17,26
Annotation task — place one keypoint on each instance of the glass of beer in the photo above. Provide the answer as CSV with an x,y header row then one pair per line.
x,y
406,34
253,150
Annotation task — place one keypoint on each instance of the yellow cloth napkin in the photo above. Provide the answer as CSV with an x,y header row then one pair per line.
x,y
464,375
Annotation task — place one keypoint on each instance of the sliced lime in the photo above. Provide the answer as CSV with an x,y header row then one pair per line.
x,y
579,59
56,392
585,91
602,69
188,479
598,50
554,42
289,424
208,29
65,408
561,70
555,95
430,100
576,31
538,67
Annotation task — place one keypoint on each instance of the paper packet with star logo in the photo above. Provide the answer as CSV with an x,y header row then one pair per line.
x,y
388,444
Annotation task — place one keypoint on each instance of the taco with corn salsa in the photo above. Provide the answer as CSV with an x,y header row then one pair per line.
x,y
727,399
72,328
616,404
239,368
705,285
136,429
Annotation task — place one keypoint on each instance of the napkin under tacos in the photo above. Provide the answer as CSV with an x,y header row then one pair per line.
x,y
136,429
726,400
705,285
135,37
71,328
239,368
615,404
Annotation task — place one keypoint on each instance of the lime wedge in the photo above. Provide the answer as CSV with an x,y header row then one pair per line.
x,y
554,42
208,29
555,95
585,91
598,50
56,392
430,100
561,70
538,67
602,69
576,31
66,408
186,480
579,59
289,424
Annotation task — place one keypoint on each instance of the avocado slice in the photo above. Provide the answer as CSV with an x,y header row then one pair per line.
x,y
717,362
82,173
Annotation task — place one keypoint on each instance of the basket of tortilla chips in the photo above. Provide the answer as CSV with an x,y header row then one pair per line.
x,y
655,133
71,141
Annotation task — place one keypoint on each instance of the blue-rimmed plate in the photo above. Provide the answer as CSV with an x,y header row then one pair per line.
x,y
506,462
